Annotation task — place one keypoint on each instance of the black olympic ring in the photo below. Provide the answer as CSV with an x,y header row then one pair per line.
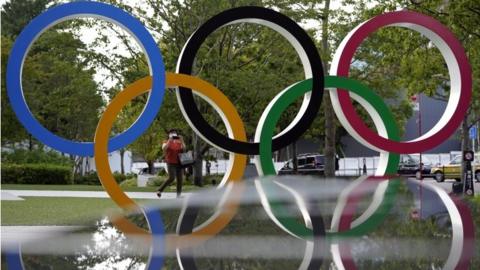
x,y
296,36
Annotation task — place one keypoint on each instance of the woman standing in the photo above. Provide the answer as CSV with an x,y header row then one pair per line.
x,y
172,147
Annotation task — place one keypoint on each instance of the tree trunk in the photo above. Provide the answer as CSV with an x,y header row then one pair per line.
x,y
77,166
30,142
294,157
122,167
81,169
329,149
198,157
150,164
74,169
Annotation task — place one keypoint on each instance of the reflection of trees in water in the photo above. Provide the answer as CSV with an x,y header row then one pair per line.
x,y
105,250
398,226
108,249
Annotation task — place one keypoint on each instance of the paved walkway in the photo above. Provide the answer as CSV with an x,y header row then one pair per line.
x,y
7,196
85,194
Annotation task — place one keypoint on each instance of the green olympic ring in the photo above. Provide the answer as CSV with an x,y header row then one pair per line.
x,y
265,163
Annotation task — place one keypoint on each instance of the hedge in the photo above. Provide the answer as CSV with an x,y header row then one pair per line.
x,y
36,156
36,174
91,178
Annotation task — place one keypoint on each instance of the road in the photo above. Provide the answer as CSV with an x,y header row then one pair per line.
x,y
447,184
428,200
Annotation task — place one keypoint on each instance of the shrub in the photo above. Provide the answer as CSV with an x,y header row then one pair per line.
x,y
90,178
36,174
119,177
22,156
212,179
155,181
130,175
162,172
131,182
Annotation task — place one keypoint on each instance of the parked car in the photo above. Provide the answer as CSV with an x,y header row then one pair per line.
x,y
313,163
410,166
453,169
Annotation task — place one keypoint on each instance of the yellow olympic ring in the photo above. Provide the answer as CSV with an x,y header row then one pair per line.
x,y
235,128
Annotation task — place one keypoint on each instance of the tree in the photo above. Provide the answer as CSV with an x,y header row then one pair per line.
x,y
240,59
329,149
18,13
12,130
395,59
461,17
14,18
57,81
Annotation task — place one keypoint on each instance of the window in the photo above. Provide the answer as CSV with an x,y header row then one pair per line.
x,y
456,160
301,161
415,159
311,160
320,159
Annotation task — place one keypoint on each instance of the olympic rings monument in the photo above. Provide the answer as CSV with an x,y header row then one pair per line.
x,y
342,89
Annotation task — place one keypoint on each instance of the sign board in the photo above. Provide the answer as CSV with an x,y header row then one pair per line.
x,y
468,156
473,132
469,188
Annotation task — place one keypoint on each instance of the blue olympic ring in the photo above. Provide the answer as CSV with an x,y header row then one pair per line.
x,y
14,260
64,12
157,228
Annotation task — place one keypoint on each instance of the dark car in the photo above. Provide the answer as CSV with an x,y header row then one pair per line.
x,y
410,166
306,164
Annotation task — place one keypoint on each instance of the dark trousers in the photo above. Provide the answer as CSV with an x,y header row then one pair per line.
x,y
175,171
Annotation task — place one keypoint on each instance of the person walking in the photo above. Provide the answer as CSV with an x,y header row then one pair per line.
x,y
172,147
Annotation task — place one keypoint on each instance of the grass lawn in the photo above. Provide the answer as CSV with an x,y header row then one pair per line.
x,y
57,210
171,188
64,210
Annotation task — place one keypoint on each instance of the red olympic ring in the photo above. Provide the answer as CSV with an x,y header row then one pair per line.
x,y
459,70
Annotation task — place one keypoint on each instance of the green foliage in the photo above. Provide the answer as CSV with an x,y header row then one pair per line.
x,y
156,181
162,172
12,130
247,62
36,174
58,83
16,14
130,182
59,89
22,156
474,206
91,178
399,63
213,179
119,177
